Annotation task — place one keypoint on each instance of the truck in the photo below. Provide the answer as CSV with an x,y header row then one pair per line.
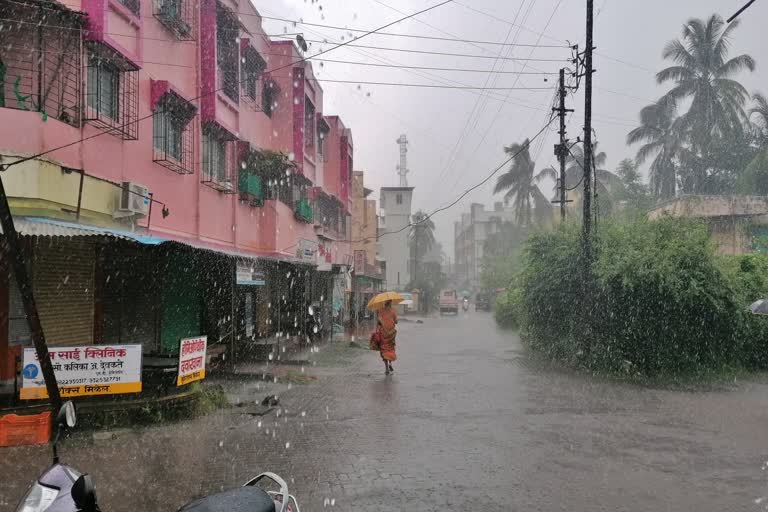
x,y
449,302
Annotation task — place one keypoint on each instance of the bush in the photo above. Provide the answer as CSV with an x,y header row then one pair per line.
x,y
661,302
507,309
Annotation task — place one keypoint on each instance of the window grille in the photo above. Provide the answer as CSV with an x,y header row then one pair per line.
x,y
112,92
173,134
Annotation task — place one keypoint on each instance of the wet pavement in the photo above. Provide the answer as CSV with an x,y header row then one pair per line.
x,y
467,422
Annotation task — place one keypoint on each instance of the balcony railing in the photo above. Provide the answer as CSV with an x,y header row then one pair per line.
x,y
251,188
303,211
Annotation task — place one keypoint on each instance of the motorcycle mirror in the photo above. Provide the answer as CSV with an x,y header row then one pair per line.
x,y
84,494
67,416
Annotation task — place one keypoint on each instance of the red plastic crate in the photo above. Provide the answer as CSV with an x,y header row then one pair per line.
x,y
16,430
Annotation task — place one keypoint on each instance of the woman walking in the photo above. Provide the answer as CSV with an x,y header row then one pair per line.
x,y
388,333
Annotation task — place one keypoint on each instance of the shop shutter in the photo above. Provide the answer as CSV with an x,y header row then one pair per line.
x,y
130,301
182,302
63,284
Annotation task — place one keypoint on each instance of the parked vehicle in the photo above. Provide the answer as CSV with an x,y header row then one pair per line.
x,y
483,302
62,488
449,302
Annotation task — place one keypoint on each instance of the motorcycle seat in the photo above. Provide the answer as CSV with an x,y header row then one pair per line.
x,y
240,499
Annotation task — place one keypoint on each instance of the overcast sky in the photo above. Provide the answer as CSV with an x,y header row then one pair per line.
x,y
457,135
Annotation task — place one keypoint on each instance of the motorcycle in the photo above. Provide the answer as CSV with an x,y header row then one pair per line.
x,y
62,488
465,304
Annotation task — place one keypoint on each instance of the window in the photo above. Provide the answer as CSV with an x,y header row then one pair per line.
x,y
172,135
167,134
103,88
112,91
251,70
269,94
227,37
132,5
178,16
219,151
43,73
18,327
309,123
399,198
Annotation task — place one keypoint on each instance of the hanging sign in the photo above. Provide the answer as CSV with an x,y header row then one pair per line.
x,y
192,360
306,250
359,262
247,276
84,371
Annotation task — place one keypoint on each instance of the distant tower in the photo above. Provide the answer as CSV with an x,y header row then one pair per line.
x,y
402,169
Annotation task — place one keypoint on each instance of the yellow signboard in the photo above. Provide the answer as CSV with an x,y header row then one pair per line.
x,y
192,353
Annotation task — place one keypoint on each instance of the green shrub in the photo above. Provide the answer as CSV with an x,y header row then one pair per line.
x,y
749,275
661,302
507,310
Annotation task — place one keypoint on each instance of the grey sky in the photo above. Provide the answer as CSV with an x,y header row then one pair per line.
x,y
439,120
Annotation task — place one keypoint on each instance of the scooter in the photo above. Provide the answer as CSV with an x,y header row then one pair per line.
x,y
465,305
62,488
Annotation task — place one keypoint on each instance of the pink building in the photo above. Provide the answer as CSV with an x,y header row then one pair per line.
x,y
187,101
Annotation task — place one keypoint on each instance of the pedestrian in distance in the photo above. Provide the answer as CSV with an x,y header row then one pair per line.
x,y
387,334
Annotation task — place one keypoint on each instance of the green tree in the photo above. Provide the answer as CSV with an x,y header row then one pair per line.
x,y
520,185
501,256
630,178
421,238
660,135
755,178
703,76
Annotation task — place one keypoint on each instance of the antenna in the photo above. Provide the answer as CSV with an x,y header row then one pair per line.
x,y
402,168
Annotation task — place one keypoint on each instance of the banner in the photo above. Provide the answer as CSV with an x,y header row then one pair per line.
x,y
247,276
84,371
192,360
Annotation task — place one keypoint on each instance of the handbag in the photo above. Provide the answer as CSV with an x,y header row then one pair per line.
x,y
375,342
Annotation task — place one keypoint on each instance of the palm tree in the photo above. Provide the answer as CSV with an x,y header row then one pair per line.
x,y
421,237
660,134
574,170
630,177
519,182
760,111
703,74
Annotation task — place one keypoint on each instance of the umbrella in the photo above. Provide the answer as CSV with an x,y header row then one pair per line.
x,y
378,301
465,293
759,307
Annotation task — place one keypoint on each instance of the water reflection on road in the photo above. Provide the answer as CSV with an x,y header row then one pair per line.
x,y
466,422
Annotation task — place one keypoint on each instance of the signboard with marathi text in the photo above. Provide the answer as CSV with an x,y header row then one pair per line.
x,y
247,276
84,371
192,360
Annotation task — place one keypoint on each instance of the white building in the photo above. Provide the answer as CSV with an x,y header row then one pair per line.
x,y
394,217
470,234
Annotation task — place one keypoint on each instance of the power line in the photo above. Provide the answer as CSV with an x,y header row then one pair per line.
x,y
463,70
480,102
434,86
303,59
446,54
414,36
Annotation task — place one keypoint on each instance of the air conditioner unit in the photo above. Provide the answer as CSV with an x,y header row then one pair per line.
x,y
134,199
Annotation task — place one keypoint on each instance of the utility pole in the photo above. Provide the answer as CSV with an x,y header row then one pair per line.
x,y
587,226
561,149
25,289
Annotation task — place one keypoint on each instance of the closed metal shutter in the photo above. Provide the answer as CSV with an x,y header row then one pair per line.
x,y
63,284
130,302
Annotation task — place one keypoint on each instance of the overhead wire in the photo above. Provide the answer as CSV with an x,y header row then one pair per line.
x,y
481,99
498,112
4,167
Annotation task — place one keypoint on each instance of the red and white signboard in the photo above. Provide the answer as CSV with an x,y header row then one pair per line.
x,y
192,360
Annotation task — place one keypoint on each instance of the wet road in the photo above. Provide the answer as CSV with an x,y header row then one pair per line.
x,y
467,422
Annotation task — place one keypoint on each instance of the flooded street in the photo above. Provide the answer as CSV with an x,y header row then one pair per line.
x,y
466,422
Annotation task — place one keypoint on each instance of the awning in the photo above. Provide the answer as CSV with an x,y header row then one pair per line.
x,y
41,226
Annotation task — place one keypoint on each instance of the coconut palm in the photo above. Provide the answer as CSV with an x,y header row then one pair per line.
x,y
760,113
703,74
574,170
421,237
660,135
519,184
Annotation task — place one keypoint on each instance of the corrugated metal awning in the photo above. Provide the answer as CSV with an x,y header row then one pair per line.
x,y
41,226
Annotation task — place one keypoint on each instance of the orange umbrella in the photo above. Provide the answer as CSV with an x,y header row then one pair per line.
x,y
378,301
